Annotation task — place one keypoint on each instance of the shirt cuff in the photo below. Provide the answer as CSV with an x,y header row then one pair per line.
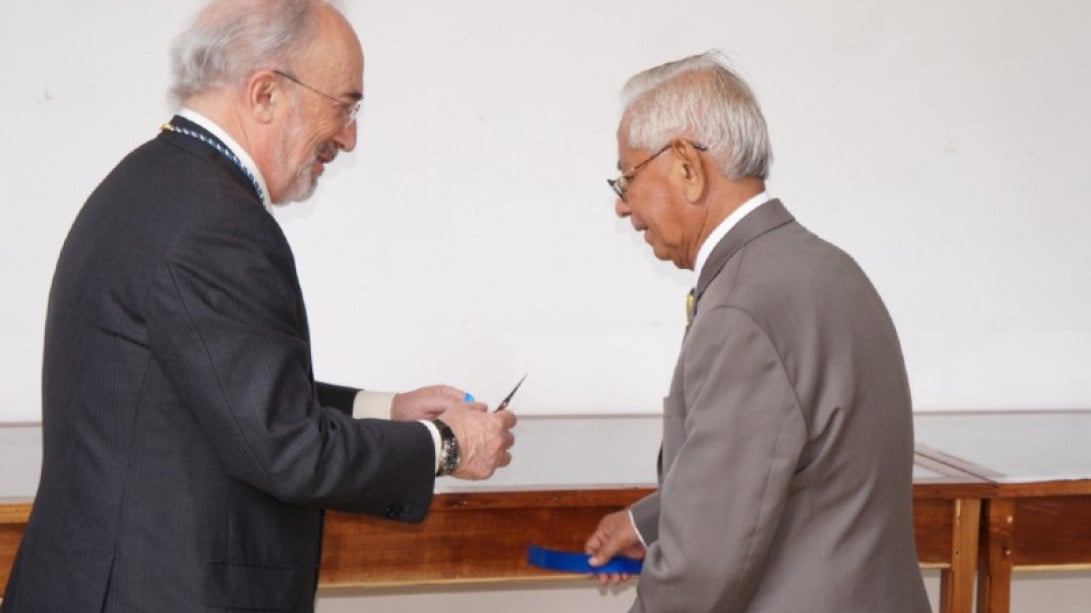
x,y
372,405
639,536
436,440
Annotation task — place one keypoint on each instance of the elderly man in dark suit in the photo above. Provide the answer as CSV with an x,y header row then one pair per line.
x,y
188,450
786,466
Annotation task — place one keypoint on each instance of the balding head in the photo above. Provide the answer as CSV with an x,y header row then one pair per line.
x,y
282,78
230,39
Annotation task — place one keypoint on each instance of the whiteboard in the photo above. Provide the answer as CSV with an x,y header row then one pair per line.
x,y
470,237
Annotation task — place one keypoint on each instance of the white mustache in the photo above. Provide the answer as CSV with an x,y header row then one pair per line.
x,y
327,152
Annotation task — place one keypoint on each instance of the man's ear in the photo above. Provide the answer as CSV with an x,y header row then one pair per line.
x,y
263,94
691,170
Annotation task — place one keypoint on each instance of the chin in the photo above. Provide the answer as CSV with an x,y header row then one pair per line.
x,y
659,255
663,255
301,189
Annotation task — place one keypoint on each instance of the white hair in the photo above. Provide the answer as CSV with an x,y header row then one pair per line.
x,y
702,99
231,39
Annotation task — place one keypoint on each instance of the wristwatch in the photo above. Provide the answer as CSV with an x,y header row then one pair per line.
x,y
448,454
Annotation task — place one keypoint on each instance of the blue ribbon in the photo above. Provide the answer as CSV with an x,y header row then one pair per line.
x,y
571,562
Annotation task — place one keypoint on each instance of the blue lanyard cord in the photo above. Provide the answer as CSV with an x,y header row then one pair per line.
x,y
223,150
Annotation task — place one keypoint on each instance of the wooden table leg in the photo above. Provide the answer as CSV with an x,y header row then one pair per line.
x,y
957,582
994,567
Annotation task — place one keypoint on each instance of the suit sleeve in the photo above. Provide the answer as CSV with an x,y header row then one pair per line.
x,y
722,497
339,397
227,329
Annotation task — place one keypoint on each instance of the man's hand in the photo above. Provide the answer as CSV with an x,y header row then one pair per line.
x,y
483,439
425,403
614,535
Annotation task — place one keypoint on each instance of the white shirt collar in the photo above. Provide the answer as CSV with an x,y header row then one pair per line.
x,y
721,231
235,148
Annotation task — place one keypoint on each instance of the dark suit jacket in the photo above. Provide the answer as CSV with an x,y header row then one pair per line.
x,y
188,452
786,466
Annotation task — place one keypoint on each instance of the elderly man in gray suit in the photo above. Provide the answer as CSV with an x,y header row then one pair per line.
x,y
786,465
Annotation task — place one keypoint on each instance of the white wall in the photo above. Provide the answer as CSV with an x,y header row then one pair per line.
x,y
470,238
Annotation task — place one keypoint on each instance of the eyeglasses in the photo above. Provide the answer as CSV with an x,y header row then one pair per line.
x,y
621,184
348,109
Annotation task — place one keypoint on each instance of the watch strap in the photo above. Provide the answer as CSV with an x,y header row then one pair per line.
x,y
449,452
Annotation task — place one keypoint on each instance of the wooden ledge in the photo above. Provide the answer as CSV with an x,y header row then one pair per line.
x,y
482,536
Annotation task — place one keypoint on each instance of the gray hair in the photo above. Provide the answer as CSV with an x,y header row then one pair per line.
x,y
231,39
700,98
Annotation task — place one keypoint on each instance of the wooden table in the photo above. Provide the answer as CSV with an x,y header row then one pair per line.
x,y
482,535
1039,517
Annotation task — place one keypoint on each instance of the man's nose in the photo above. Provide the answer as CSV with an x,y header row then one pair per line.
x,y
621,208
346,138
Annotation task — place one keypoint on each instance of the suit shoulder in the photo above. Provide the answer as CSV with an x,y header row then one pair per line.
x,y
788,261
170,183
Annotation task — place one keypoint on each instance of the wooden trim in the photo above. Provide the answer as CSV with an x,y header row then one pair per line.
x,y
1051,531
13,519
14,510
957,584
954,490
994,566
1059,487
480,536
1053,568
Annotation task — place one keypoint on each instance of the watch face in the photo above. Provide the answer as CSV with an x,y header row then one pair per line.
x,y
449,452
450,455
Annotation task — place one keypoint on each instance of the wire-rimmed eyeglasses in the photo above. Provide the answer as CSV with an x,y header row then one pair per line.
x,y
348,109
621,184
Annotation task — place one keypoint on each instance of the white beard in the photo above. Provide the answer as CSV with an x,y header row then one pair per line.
x,y
303,182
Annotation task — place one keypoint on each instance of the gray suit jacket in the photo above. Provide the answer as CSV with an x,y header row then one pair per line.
x,y
786,467
188,451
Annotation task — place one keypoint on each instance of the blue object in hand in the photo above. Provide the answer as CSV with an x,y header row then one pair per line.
x,y
571,562
468,397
